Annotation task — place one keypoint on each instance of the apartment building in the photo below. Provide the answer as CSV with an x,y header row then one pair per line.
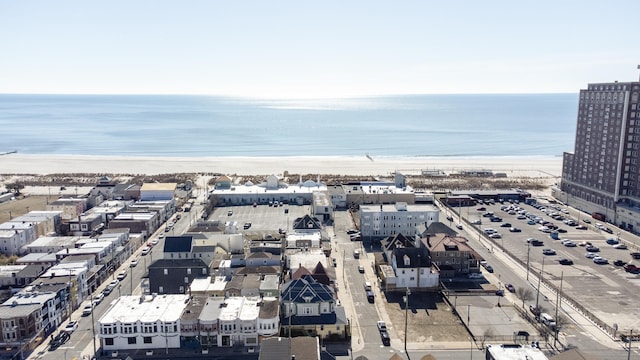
x,y
602,173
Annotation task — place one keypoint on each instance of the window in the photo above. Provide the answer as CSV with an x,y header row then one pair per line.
x,y
189,271
108,341
147,340
131,340
160,289
186,279
166,271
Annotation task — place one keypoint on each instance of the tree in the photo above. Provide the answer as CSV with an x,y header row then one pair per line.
x,y
15,187
524,294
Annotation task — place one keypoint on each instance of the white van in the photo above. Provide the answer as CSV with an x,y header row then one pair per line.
x,y
356,254
547,320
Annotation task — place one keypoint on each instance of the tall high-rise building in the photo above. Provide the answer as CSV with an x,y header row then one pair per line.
x,y
601,175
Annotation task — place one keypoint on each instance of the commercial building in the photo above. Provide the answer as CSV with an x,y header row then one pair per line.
x,y
601,175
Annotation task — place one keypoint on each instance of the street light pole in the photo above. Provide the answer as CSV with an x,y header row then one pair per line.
x,y
93,330
470,336
406,316
539,279
629,348
528,253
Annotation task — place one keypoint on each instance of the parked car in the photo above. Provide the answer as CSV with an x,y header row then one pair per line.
x,y
548,251
591,248
581,227
600,260
382,326
133,263
459,226
515,229
631,268
619,263
122,275
87,310
500,292
505,225
384,336
510,287
361,269
590,255
620,246
612,241
71,326
59,340
247,225
565,261
97,299
230,212
145,251
487,267
635,255
495,235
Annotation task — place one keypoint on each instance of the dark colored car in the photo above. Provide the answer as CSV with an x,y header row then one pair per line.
x,y
500,292
386,340
635,255
510,287
505,225
515,229
565,262
591,248
537,243
561,230
58,340
619,263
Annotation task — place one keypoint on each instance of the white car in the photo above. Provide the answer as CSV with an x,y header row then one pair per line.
x,y
495,235
590,255
71,326
133,263
145,251
459,226
97,299
382,325
88,309
161,236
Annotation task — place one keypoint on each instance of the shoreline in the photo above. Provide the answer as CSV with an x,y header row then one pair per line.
x,y
42,164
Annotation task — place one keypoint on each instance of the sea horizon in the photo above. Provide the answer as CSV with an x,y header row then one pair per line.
x,y
432,125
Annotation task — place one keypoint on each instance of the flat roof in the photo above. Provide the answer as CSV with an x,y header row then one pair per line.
x,y
515,352
61,241
393,208
158,186
130,309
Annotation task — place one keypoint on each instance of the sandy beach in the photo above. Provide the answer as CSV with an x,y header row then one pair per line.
x,y
533,166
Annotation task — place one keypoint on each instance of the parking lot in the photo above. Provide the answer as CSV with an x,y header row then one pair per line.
x,y
260,220
606,290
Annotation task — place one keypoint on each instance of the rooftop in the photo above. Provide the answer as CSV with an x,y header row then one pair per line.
x,y
147,309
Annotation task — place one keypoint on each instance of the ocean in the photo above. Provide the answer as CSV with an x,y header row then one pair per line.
x,y
184,125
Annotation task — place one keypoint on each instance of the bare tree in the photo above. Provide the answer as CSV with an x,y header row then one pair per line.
x,y
524,294
488,333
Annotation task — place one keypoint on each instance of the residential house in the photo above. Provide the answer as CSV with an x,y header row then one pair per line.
x,y
175,276
147,322
298,348
452,255
309,308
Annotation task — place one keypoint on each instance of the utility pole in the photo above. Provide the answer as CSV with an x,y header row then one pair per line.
x,y
558,304
528,253
539,279
630,339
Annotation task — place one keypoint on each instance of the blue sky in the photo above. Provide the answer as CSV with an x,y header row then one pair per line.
x,y
315,49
